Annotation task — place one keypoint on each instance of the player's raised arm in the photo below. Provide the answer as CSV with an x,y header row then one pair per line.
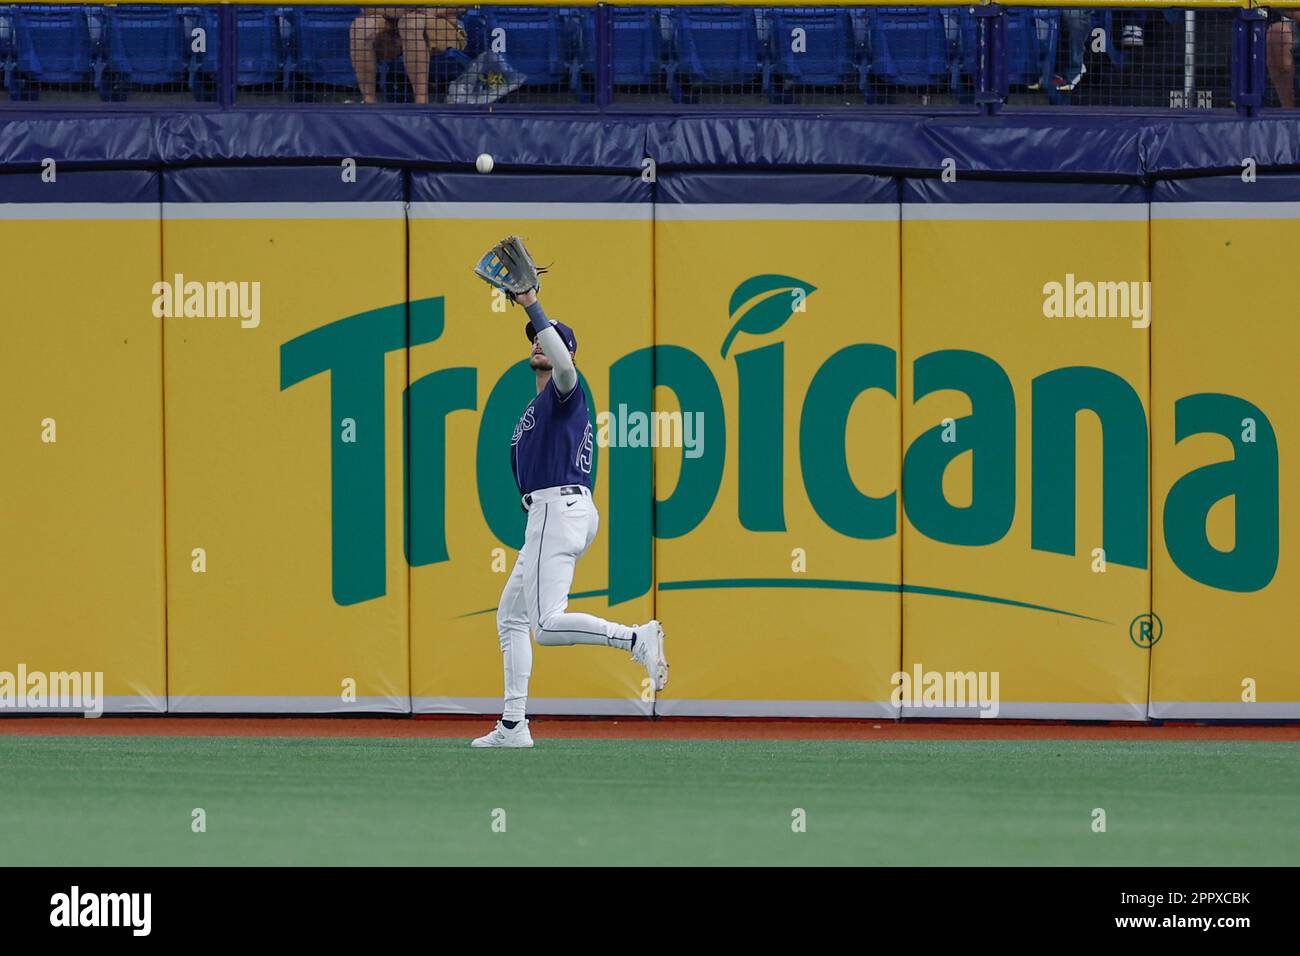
x,y
563,372
510,268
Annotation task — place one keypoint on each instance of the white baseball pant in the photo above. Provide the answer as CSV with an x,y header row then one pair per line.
x,y
560,529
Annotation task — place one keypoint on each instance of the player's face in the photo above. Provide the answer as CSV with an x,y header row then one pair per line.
x,y
538,361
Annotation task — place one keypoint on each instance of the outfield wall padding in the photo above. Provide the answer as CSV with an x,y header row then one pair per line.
x,y
777,553
1056,144
1223,378
908,463
285,443
81,423
1044,558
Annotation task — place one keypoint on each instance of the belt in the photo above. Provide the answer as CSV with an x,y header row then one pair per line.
x,y
544,495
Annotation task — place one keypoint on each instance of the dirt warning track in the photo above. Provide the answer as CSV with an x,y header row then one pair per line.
x,y
672,728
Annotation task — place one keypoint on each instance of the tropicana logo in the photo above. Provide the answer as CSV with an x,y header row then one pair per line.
x,y
352,351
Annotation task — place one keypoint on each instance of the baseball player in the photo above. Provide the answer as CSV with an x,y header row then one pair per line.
x,y
551,454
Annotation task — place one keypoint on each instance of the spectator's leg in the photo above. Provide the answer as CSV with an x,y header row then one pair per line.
x,y
365,37
413,27
1042,30
444,33
1281,63
1078,28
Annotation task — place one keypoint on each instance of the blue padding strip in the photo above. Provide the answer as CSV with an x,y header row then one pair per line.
x,y
80,186
528,187
226,184
1267,187
1046,144
797,188
986,191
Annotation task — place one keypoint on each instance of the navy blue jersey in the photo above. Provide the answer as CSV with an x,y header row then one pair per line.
x,y
553,443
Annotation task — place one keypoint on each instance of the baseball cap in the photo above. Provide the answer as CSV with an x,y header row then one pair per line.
x,y
566,334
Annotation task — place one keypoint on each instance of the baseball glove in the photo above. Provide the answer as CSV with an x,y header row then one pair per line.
x,y
510,268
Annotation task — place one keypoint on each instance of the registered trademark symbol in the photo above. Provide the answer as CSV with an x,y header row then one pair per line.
x,y
1145,630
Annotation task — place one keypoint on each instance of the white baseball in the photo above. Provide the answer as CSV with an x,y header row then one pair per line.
x,y
484,163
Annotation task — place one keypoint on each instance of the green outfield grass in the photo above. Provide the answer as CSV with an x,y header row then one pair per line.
x,y
128,800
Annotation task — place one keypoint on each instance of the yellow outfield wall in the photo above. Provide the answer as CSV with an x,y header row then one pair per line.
x,y
1019,563
777,560
284,443
853,432
1224,382
81,423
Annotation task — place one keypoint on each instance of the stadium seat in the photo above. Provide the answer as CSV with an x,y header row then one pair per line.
x,y
1032,36
320,45
830,57
47,45
638,46
908,47
6,44
538,43
144,46
475,31
258,51
714,47
860,17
